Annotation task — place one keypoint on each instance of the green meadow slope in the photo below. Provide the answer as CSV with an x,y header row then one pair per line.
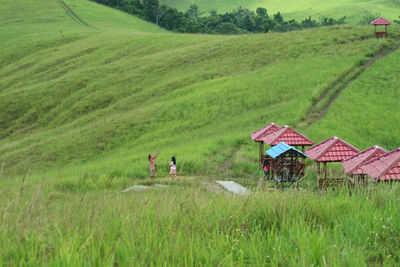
x,y
99,98
353,9
369,106
46,17
87,92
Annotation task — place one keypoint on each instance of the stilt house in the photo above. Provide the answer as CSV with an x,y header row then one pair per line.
x,y
333,149
352,165
258,136
385,167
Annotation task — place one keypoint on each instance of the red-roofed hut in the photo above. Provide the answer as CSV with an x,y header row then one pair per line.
x,y
378,22
258,136
288,135
385,167
332,150
352,165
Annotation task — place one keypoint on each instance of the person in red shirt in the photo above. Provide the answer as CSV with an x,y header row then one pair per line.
x,y
152,165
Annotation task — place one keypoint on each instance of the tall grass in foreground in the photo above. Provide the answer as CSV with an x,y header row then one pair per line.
x,y
43,224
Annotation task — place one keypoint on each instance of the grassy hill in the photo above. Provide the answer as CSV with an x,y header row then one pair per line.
x,y
48,17
109,96
353,9
368,106
87,92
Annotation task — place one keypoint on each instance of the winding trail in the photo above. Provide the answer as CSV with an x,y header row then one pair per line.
x,y
328,97
72,14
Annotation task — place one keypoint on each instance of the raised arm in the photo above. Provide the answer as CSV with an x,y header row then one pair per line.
x,y
155,156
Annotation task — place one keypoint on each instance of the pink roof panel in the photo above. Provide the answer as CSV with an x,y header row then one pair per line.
x,y
289,136
260,133
352,164
332,150
380,21
385,167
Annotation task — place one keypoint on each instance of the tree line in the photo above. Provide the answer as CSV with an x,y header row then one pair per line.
x,y
240,20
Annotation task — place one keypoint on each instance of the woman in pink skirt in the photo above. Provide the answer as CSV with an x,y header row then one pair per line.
x,y
172,169
152,165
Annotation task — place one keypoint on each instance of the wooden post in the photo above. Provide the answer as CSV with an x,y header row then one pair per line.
x,y
303,159
318,173
261,151
325,170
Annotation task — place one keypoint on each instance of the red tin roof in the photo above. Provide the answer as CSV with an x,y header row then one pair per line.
x,y
332,150
385,167
260,133
380,21
289,136
352,164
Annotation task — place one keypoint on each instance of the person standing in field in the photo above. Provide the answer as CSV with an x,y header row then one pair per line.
x,y
172,168
152,165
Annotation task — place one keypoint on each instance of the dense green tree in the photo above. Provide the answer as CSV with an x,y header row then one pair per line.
x,y
262,22
261,12
213,12
193,13
173,20
213,21
153,10
227,28
278,18
309,23
325,21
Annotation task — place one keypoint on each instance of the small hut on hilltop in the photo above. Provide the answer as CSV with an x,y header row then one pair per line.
x,y
286,164
258,136
380,22
385,167
333,149
352,165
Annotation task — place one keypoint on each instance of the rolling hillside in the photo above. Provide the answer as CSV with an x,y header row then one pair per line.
x,y
105,97
45,17
353,9
87,92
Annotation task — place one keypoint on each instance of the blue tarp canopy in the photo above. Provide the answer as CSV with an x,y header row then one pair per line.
x,y
283,148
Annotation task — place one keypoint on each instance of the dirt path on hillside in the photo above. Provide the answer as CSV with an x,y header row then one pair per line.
x,y
229,161
328,97
72,14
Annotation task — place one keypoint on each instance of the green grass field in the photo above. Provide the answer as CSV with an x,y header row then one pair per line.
x,y
87,92
185,225
299,10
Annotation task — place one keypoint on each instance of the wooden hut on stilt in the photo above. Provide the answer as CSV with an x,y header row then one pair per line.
x,y
385,167
380,22
352,164
332,150
291,137
258,136
287,164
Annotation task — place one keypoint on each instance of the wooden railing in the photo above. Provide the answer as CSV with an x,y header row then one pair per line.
x,y
332,182
381,34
